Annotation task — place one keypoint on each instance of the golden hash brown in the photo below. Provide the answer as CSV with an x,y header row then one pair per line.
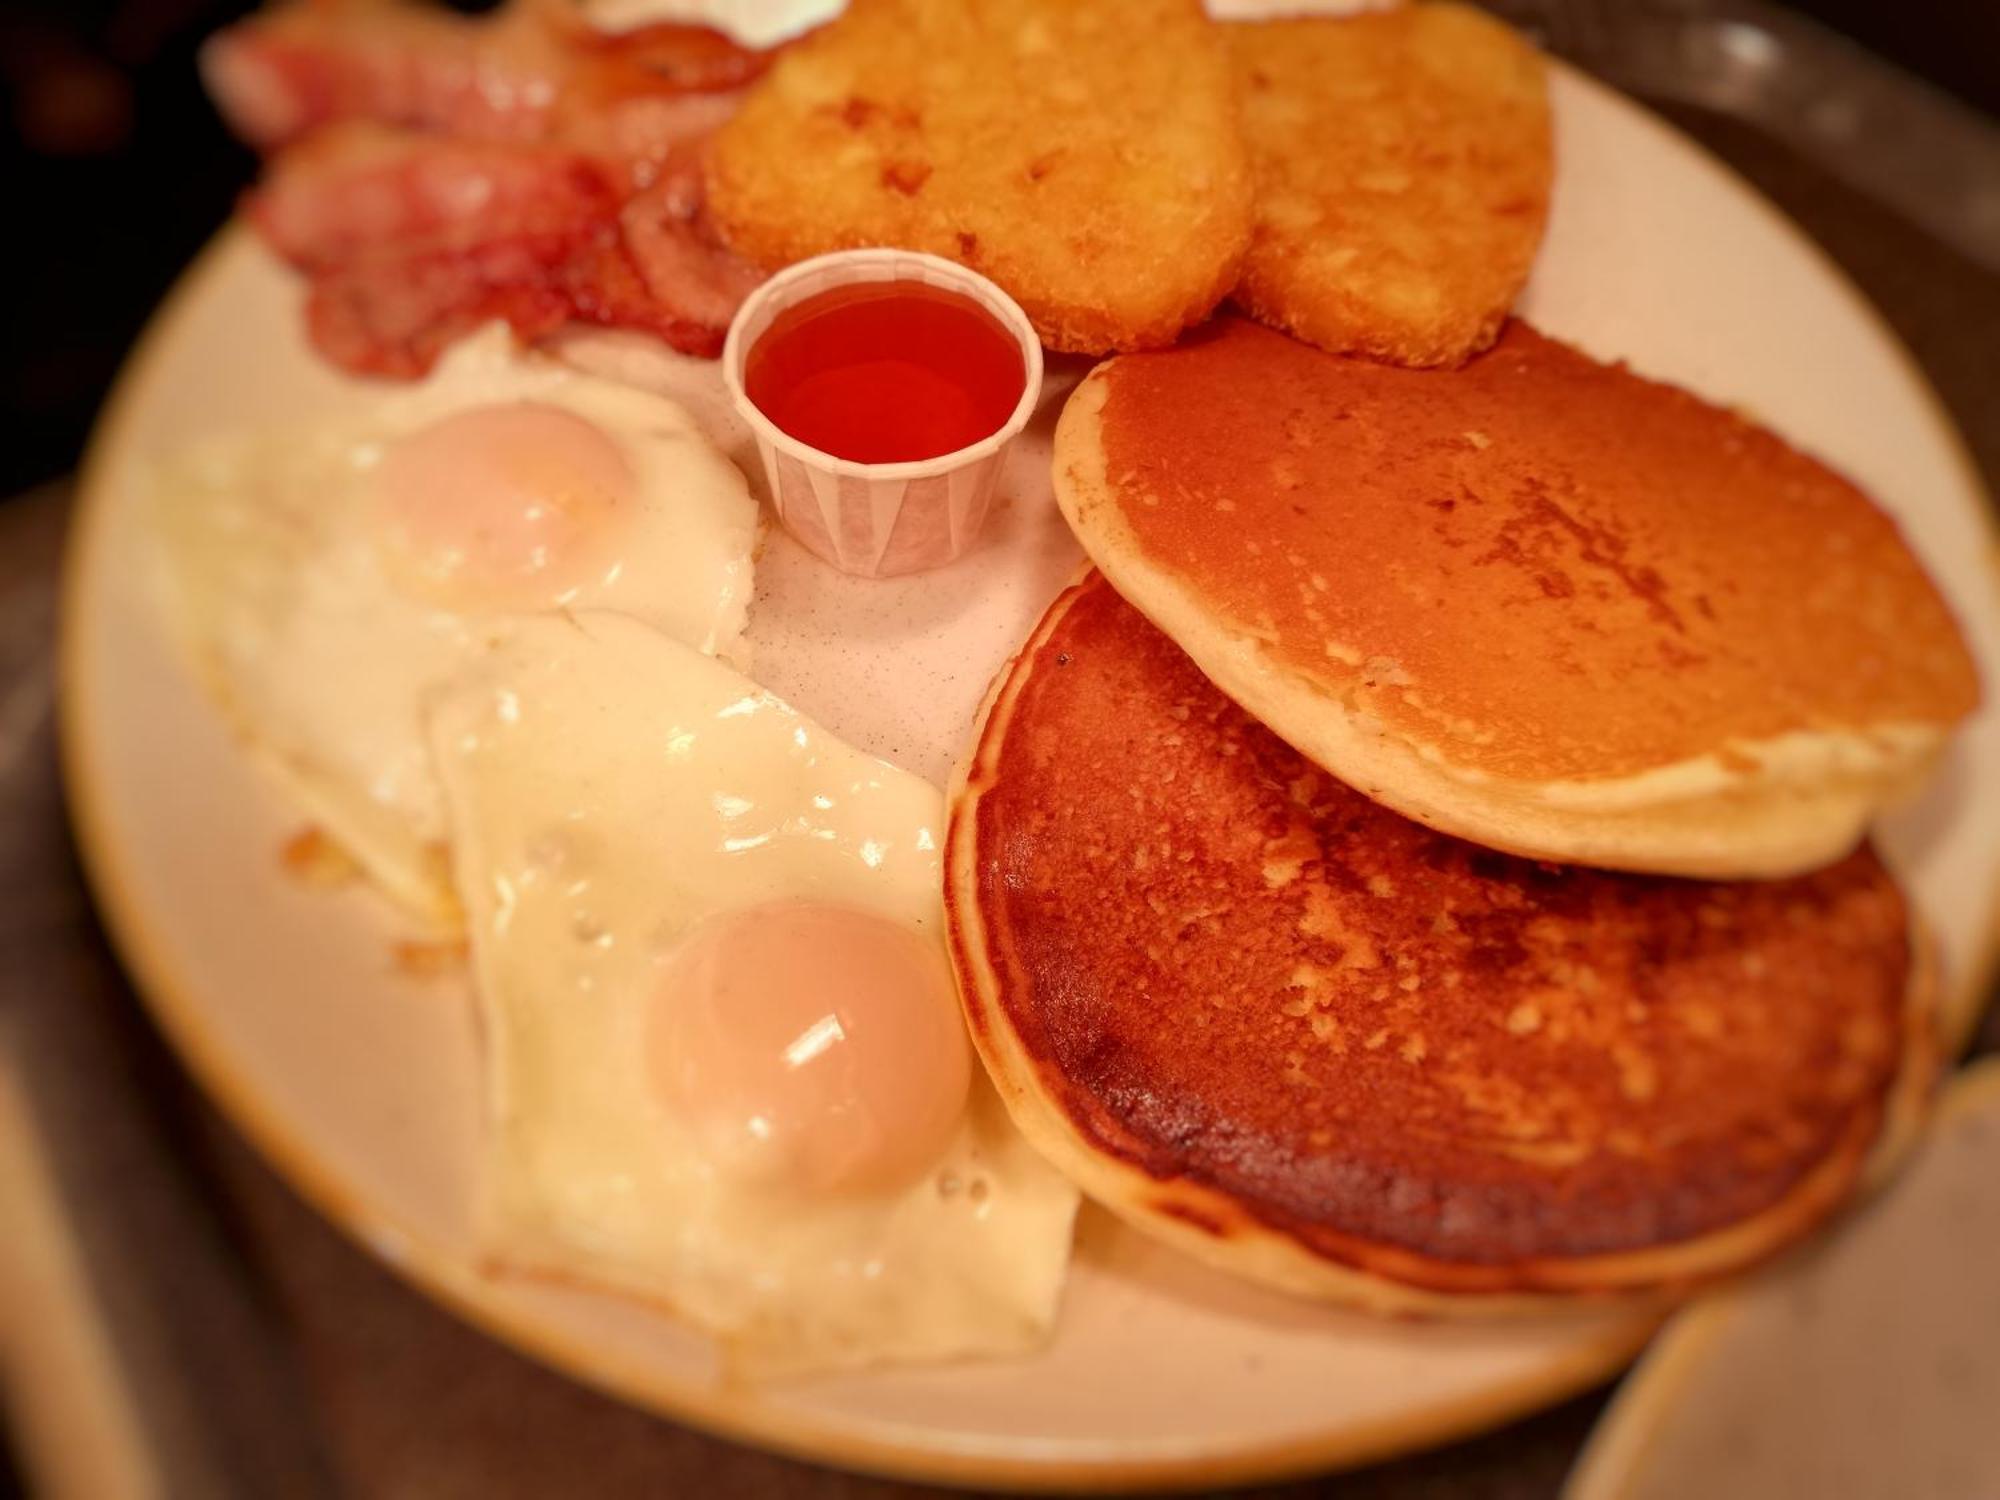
x,y
1085,156
1402,163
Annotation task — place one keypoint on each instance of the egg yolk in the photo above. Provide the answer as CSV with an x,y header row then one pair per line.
x,y
500,507
812,1047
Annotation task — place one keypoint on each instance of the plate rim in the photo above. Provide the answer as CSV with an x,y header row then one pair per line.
x,y
1613,1456
713,1408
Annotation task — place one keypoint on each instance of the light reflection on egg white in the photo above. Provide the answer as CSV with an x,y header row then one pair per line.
x,y
503,902
814,1040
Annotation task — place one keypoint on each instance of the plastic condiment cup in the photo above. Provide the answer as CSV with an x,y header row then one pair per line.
x,y
879,520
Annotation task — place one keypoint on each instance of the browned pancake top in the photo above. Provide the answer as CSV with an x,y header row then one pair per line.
x,y
1230,967
1545,567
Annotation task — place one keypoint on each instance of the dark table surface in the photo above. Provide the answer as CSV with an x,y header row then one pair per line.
x,y
277,1358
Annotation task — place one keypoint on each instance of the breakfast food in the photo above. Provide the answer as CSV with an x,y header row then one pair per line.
x,y
1243,882
1537,602
327,580
1403,161
885,372
884,388
430,172
1086,157
516,72
1313,1043
726,1070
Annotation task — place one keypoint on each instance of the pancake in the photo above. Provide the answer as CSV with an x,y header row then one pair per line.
x,y
1267,1020
1403,162
1537,602
1086,157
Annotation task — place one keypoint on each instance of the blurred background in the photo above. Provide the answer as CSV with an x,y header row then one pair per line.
x,y
280,1359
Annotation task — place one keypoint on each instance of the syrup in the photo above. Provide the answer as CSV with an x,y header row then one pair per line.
x,y
886,372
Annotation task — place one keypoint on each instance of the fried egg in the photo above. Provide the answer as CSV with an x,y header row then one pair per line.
x,y
327,578
726,1067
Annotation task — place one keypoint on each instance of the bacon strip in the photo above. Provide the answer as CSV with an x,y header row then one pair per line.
x,y
511,75
355,192
431,172
678,254
291,69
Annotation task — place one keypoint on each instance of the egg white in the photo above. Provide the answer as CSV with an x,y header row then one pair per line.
x,y
276,580
609,788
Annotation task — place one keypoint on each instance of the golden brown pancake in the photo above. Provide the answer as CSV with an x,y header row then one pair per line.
x,y
1272,1022
1085,156
1402,161
1537,602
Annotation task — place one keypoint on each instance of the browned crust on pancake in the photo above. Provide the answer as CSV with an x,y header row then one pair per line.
x,y
1403,161
1176,958
1538,602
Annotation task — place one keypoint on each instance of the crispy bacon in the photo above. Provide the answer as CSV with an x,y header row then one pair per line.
x,y
678,255
413,240
364,192
636,138
430,172
293,68
395,317
517,74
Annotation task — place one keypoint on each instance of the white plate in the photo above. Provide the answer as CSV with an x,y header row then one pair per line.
x,y
1865,1368
360,1084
